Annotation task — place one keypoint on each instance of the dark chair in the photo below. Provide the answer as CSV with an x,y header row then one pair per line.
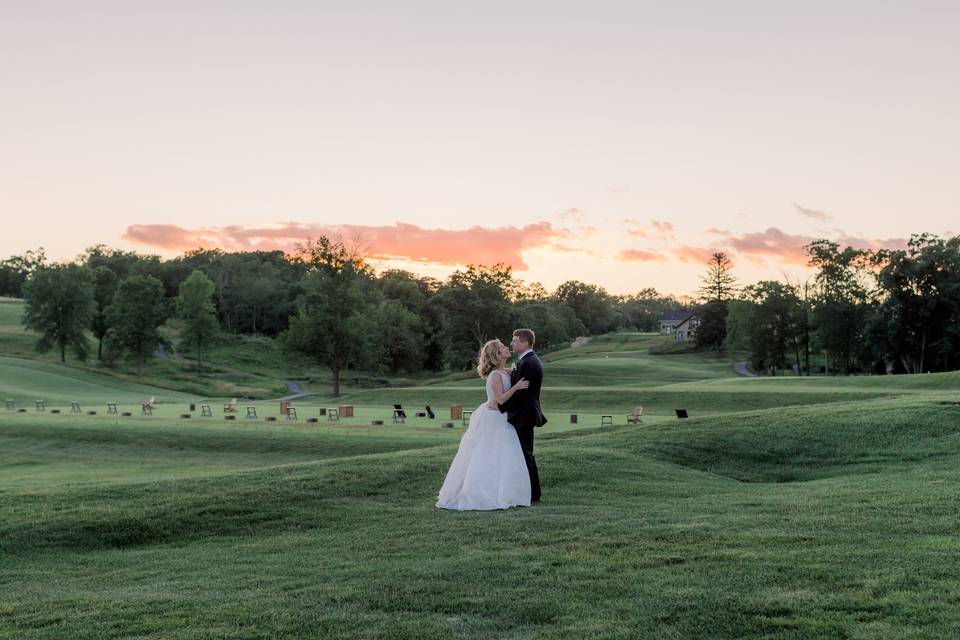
x,y
682,413
399,415
430,412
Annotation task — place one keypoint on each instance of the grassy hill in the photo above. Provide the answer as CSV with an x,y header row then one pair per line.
x,y
821,525
236,366
785,508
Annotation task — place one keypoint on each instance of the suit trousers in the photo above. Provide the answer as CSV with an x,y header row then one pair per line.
x,y
526,444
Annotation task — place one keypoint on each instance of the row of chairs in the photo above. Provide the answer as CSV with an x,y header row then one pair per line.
x,y
637,417
400,414
333,414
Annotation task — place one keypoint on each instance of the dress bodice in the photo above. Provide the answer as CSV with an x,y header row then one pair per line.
x,y
503,376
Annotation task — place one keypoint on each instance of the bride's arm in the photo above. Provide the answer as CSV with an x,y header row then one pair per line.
x,y
500,396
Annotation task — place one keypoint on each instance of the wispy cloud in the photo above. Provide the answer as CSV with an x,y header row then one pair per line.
x,y
816,214
652,229
776,245
771,244
873,244
477,245
687,253
579,219
637,255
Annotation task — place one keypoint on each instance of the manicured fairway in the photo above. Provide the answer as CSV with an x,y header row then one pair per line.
x,y
787,509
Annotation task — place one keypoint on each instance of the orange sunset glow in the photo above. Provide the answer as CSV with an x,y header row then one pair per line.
x,y
619,145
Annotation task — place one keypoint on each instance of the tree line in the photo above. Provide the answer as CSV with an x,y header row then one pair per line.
x,y
885,311
862,311
325,300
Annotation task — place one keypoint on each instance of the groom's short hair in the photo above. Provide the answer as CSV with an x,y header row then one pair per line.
x,y
526,335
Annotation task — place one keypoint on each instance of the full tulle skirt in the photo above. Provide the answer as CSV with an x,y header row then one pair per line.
x,y
489,471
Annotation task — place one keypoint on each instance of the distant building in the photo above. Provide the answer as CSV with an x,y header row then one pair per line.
x,y
687,329
670,319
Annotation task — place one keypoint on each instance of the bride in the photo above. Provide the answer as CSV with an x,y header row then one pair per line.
x,y
489,471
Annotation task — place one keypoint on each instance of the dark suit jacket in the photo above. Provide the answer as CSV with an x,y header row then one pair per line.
x,y
523,407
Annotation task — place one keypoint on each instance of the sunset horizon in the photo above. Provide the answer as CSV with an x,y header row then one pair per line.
x,y
618,145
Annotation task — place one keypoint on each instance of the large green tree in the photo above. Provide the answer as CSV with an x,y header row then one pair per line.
x,y
717,287
592,304
196,310
840,311
15,270
474,306
334,322
105,287
920,308
135,317
774,326
719,283
59,306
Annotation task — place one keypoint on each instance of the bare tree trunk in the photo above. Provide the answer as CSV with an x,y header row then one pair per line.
x,y
923,350
335,369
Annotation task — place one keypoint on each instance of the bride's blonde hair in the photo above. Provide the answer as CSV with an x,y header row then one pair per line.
x,y
488,358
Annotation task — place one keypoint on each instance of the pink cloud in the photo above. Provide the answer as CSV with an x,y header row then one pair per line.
x,y
687,253
654,229
635,255
775,244
875,244
772,243
477,245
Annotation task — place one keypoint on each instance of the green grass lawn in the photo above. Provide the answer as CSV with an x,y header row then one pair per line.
x,y
783,509
808,523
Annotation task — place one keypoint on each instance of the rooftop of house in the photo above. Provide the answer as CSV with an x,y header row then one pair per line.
x,y
675,316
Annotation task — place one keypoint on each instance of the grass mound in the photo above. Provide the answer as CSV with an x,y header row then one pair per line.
x,y
809,443
29,380
633,539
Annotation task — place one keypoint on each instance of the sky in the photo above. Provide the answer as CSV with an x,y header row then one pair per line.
x,y
619,143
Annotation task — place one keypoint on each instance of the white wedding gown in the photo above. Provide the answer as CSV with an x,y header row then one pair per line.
x,y
489,471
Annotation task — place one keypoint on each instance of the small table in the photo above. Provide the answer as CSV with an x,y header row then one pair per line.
x,y
606,421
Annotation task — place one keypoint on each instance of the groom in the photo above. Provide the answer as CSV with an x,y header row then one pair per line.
x,y
523,409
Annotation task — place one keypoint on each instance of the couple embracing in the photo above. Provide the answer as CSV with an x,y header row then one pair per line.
x,y
494,467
